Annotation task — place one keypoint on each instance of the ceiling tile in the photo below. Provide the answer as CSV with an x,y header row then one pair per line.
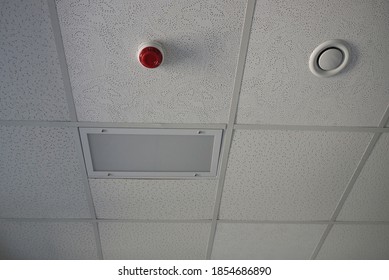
x,y
31,85
289,175
40,173
369,198
153,199
154,240
265,241
278,87
46,241
193,85
356,242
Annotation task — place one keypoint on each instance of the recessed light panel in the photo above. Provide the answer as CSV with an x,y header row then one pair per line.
x,y
134,153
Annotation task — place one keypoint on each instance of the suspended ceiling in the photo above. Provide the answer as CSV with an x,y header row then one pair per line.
x,y
304,170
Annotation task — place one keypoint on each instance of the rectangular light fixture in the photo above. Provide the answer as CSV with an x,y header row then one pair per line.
x,y
142,153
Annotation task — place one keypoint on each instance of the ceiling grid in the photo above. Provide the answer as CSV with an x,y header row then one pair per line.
x,y
73,116
350,184
62,59
227,221
206,219
250,8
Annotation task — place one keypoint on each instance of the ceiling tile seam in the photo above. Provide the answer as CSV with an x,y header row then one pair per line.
x,y
194,126
96,229
219,167
369,149
355,175
167,178
304,222
310,128
181,221
90,220
49,220
155,125
360,222
244,42
88,191
321,241
385,118
62,59
114,125
228,221
157,221
346,192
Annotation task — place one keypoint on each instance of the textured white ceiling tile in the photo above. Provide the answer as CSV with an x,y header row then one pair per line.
x,y
195,82
369,198
278,87
46,241
356,242
153,199
265,241
154,240
31,85
289,175
40,173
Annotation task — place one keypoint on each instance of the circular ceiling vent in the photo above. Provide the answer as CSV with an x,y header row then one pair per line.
x,y
329,58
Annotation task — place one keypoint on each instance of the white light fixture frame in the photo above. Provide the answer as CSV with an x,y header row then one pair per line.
x,y
335,43
217,138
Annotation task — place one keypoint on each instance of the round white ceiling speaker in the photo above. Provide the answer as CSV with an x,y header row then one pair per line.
x,y
329,58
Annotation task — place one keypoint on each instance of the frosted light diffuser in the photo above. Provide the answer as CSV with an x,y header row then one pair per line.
x,y
128,153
